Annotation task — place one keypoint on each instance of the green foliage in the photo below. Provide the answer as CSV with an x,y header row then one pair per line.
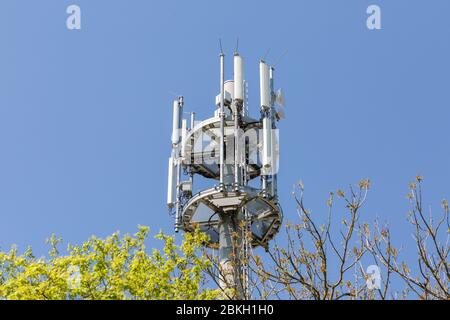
x,y
112,268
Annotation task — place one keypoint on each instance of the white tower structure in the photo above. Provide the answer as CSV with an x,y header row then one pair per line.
x,y
231,150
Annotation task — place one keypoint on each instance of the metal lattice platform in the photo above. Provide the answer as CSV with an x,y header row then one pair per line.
x,y
210,129
203,210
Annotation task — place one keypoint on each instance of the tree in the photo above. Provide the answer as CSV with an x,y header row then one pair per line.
x,y
320,260
112,268
431,237
315,263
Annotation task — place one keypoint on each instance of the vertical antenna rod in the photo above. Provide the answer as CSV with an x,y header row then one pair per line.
x,y
274,156
238,103
192,120
222,119
264,87
177,150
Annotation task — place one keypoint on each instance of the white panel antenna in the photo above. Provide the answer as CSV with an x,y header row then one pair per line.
x,y
264,84
170,183
183,137
176,122
267,143
238,78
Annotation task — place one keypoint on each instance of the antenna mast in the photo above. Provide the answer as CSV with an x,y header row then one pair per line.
x,y
231,149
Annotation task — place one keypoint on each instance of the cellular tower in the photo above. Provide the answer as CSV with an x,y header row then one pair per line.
x,y
233,159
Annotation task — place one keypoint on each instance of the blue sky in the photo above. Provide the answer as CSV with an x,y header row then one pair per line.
x,y
85,115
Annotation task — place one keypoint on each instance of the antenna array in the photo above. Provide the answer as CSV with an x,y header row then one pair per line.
x,y
233,150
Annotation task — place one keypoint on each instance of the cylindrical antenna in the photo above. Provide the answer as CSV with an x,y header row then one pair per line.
x,y
175,122
238,78
192,120
222,118
178,196
183,137
170,182
267,144
271,82
264,84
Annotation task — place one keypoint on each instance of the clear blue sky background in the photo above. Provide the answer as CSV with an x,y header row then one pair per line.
x,y
85,115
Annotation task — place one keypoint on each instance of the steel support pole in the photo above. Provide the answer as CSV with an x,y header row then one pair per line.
x,y
222,120
230,249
